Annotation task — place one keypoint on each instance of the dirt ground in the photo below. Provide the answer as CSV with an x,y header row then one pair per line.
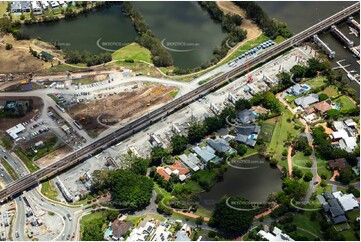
x,y
7,123
119,108
252,29
55,155
18,59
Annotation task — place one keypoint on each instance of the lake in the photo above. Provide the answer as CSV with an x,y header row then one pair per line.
x,y
254,183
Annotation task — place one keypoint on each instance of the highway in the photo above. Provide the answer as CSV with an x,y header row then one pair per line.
x,y
32,179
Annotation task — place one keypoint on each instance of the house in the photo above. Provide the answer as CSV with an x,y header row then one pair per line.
x,y
206,154
337,164
348,202
346,139
15,7
350,123
323,106
333,208
276,235
338,125
309,110
35,6
220,145
118,229
142,233
297,89
182,236
306,101
246,116
247,134
161,234
176,169
191,161
25,6
54,4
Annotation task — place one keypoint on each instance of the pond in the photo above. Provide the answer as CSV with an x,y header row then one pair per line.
x,y
251,178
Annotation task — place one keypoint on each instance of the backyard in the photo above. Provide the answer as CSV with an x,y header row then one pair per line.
x,y
317,82
330,91
345,103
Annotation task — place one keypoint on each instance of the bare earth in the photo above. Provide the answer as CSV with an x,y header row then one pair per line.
x,y
119,108
252,29
55,155
18,59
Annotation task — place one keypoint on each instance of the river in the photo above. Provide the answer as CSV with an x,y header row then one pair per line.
x,y
254,183
312,12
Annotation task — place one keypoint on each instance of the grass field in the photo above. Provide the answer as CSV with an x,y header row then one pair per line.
x,y
132,51
3,6
330,91
317,82
290,98
304,221
55,98
174,93
345,103
48,189
266,132
300,160
283,131
10,170
29,164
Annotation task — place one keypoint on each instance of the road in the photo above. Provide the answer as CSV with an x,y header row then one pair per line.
x,y
144,121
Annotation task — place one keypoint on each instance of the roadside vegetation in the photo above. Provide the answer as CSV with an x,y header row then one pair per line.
x,y
48,189
10,170
28,163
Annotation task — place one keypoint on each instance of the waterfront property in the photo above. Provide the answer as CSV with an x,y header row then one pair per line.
x,y
248,134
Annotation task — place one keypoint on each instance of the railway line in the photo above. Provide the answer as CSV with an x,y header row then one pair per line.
x,y
30,180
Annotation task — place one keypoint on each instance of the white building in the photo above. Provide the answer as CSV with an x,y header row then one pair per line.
x,y
141,234
276,235
14,131
348,202
161,234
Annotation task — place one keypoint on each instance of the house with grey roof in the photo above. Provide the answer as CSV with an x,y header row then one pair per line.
x,y
306,101
248,134
246,116
206,154
220,145
16,7
25,6
297,89
334,209
191,161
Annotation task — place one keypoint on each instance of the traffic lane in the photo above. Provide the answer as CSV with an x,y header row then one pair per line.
x,y
19,222
4,175
69,226
17,165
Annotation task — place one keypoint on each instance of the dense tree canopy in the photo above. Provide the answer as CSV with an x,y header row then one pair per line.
x,y
230,220
179,144
196,132
139,166
156,155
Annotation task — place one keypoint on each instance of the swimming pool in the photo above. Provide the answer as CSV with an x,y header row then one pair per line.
x,y
252,137
304,86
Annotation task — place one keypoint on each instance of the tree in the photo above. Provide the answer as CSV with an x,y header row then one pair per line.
x,y
346,175
307,177
242,104
196,132
130,190
319,135
139,166
156,155
323,96
333,114
229,219
199,220
8,46
297,172
298,72
179,144
301,143
213,123
285,79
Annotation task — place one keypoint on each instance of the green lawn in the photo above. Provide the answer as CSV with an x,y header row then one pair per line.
x,y
64,67
29,164
174,93
55,98
6,142
132,51
84,81
266,132
300,160
304,221
48,189
3,6
317,82
10,170
203,212
330,91
283,131
290,98
322,168
345,103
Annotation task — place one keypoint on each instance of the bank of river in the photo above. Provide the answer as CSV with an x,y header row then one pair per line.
x,y
254,183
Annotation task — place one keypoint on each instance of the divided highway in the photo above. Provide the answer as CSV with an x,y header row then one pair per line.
x,y
32,179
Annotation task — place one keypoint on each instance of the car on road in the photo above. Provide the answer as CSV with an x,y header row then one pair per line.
x,y
69,217
315,183
17,234
5,157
